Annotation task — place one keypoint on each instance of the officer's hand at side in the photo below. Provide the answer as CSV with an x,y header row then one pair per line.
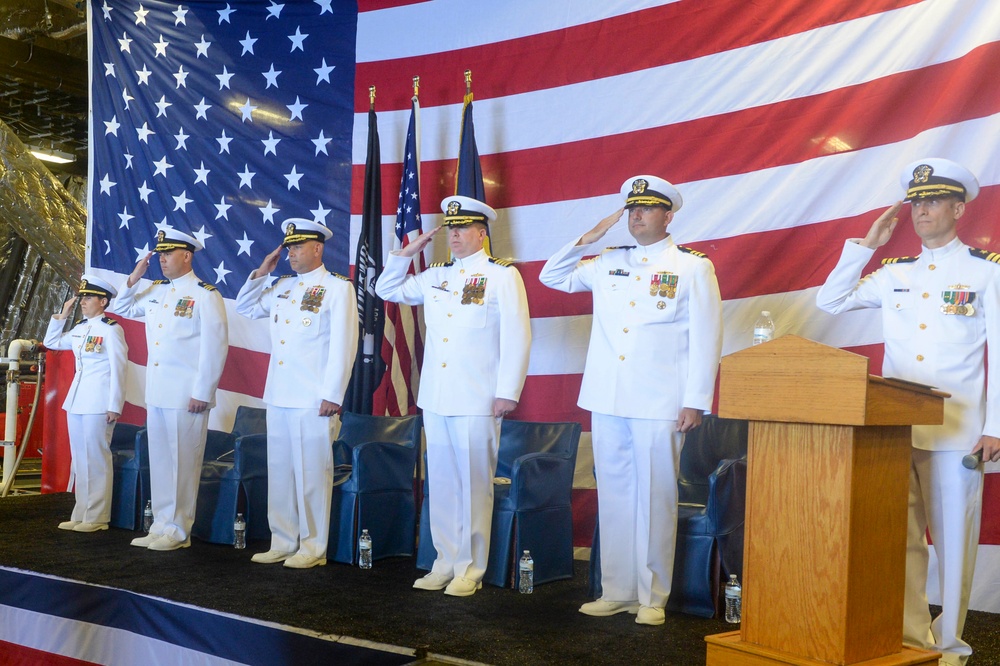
x,y
140,269
197,406
113,416
990,447
881,231
327,408
597,233
420,243
688,419
502,407
269,264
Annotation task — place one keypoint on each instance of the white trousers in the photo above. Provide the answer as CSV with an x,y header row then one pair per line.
x,y
461,464
176,452
90,466
300,479
636,464
945,498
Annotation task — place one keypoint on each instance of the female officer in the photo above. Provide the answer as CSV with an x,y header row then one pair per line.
x,y
94,401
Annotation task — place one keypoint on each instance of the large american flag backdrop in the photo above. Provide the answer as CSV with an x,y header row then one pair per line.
x,y
784,123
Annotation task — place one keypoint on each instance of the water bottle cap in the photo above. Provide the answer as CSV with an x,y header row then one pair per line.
x,y
766,313
732,577
525,552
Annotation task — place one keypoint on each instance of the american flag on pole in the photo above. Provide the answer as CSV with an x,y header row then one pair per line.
x,y
402,344
784,123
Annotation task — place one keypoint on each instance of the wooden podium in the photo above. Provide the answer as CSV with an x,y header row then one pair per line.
x,y
827,486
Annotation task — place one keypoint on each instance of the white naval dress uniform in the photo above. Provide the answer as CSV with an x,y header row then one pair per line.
x,y
314,338
927,343
654,349
476,350
187,343
98,387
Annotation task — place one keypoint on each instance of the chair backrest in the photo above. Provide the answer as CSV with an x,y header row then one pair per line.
x,y
518,438
249,421
716,439
360,428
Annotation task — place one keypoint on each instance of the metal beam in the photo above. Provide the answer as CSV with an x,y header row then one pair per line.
x,y
44,67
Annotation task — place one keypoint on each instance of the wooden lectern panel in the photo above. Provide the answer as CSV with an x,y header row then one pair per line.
x,y
825,550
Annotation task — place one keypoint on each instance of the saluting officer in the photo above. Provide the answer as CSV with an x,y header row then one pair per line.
x,y
475,361
940,313
94,401
650,374
187,342
313,317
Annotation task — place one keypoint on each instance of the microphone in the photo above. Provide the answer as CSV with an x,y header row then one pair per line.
x,y
973,460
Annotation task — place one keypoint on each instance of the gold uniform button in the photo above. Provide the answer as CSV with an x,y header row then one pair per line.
x,y
282,342
462,272
632,303
288,321
926,295
156,364
159,326
920,357
165,306
157,343
644,260
172,290
625,330
281,362
444,365
932,267
446,339
637,278
449,314
923,326
302,284
293,301
454,293
621,358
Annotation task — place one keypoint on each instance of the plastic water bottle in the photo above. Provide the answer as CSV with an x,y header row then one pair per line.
x,y
365,550
526,574
734,600
763,328
147,517
239,532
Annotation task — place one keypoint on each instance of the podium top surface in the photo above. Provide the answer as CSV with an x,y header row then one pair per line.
x,y
801,381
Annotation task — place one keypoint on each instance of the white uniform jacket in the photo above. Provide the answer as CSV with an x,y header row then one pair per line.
x,y
657,330
314,335
101,356
187,339
478,333
938,310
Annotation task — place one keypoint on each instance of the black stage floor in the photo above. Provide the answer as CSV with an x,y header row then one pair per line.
x,y
495,626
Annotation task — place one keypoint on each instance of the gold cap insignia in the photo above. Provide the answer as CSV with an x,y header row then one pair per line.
x,y
639,185
161,235
923,173
290,229
454,207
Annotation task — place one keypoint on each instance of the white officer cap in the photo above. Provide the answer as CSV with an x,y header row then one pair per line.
x,y
91,285
459,211
651,191
938,177
168,238
299,230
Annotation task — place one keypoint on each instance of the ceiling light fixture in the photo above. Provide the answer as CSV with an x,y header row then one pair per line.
x,y
52,155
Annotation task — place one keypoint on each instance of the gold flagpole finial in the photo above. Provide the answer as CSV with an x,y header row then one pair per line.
x,y
416,86
371,97
468,82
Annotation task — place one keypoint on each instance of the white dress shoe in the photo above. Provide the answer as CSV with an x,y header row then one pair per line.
x,y
271,557
167,542
90,527
145,541
68,524
432,581
462,587
602,608
649,615
303,561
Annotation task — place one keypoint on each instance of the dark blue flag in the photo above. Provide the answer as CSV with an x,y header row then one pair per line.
x,y
221,119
